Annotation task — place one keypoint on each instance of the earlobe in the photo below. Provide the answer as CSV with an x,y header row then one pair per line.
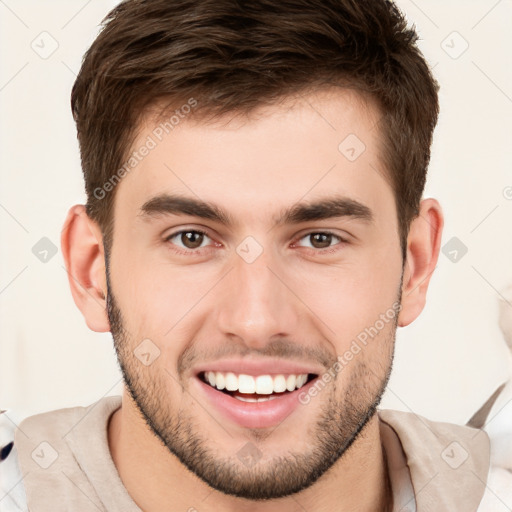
x,y
82,248
423,245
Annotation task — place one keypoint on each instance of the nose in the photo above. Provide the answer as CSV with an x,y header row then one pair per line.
x,y
258,302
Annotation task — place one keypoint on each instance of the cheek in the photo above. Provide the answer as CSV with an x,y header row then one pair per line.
x,y
144,301
364,361
353,295
159,303
357,305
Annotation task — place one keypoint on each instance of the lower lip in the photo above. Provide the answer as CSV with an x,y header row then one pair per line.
x,y
254,414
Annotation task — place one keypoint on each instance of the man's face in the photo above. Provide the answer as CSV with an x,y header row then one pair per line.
x,y
288,298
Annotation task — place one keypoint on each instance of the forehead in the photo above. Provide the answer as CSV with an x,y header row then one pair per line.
x,y
301,148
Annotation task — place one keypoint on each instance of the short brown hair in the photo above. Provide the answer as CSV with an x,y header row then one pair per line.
x,y
233,56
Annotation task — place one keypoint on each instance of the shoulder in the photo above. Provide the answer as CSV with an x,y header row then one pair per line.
x,y
46,424
417,420
61,417
54,429
414,430
41,445
449,463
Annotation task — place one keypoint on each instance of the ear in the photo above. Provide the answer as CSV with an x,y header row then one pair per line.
x,y
82,248
423,245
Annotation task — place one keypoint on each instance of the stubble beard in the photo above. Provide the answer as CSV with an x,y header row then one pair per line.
x,y
343,417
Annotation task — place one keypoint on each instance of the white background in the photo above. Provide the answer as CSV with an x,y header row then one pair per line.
x,y
447,363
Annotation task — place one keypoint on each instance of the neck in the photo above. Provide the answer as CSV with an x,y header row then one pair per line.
x,y
357,481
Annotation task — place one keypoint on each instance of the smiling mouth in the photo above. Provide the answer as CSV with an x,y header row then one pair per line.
x,y
262,388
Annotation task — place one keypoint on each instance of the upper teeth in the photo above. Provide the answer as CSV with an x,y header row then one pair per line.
x,y
262,384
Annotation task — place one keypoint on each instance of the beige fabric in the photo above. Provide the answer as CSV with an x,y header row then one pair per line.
x,y
66,464
448,463
83,477
399,474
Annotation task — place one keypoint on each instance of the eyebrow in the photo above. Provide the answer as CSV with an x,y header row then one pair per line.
x,y
325,208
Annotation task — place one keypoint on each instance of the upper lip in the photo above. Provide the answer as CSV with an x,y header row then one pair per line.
x,y
258,367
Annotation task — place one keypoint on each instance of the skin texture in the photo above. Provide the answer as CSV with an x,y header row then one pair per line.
x,y
292,302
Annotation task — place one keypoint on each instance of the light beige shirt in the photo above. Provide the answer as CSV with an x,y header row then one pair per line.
x,y
65,464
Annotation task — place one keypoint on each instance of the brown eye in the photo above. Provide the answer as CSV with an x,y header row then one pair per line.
x,y
321,240
192,239
188,239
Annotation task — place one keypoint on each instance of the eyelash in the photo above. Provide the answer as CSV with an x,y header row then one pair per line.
x,y
189,252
